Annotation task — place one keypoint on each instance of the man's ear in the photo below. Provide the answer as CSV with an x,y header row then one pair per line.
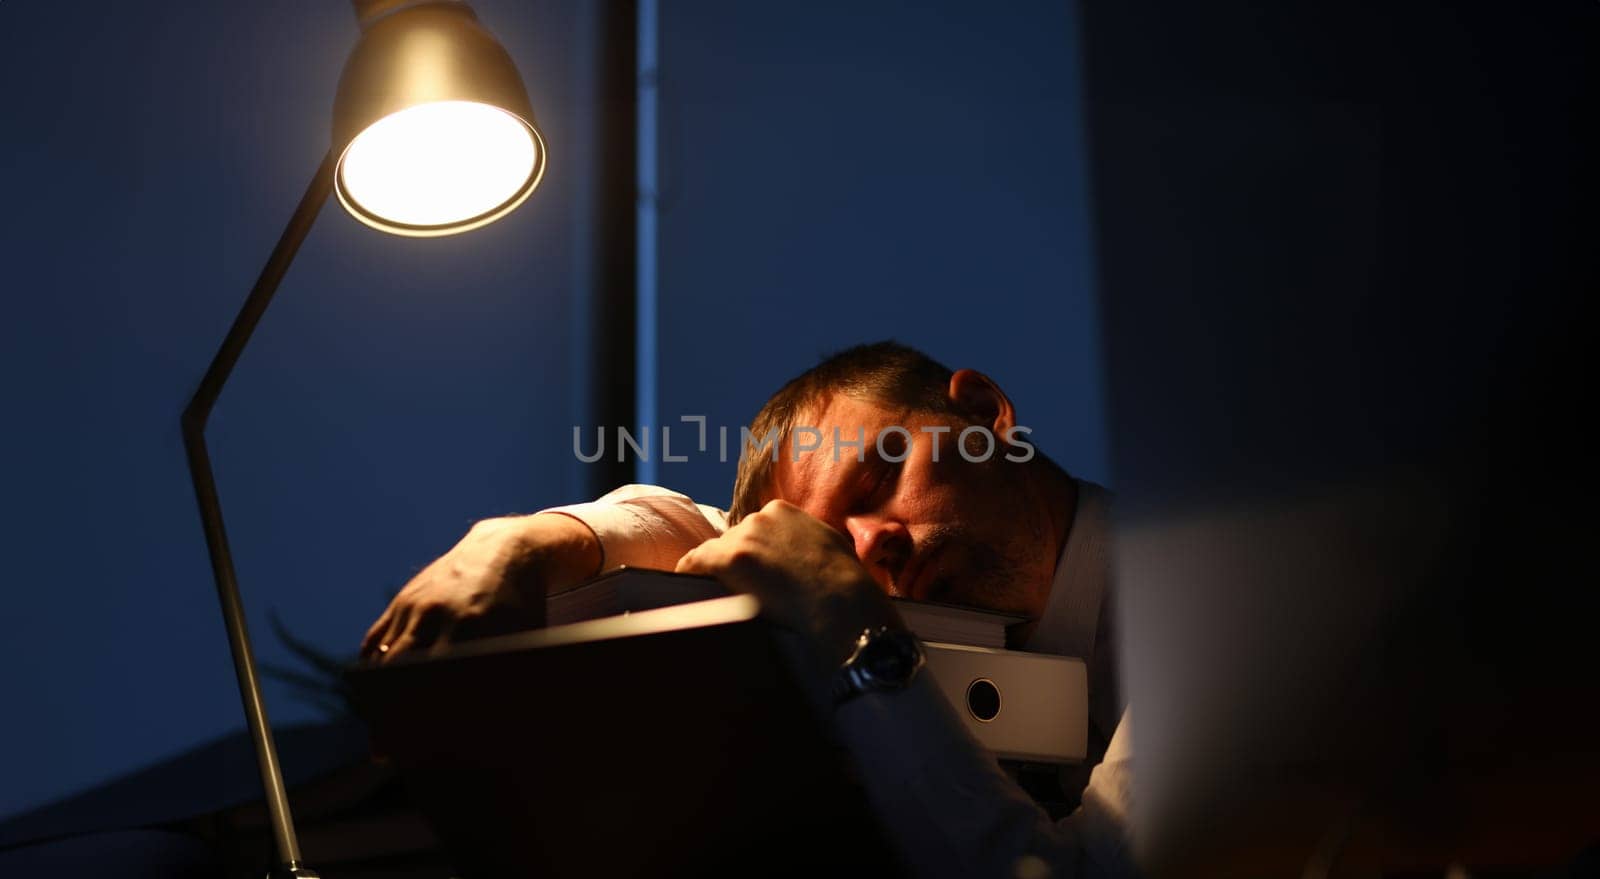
x,y
977,395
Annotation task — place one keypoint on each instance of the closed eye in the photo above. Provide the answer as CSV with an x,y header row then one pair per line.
x,y
880,480
885,471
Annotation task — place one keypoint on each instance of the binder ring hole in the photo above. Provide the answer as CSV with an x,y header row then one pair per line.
x,y
983,699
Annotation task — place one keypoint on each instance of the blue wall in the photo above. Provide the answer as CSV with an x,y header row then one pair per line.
x,y
829,175
397,390
853,171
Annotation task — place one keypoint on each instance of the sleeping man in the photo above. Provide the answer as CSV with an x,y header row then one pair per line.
x,y
914,482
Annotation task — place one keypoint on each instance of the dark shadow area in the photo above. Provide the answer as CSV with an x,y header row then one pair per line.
x,y
1346,255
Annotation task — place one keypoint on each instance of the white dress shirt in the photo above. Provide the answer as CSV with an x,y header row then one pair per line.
x,y
946,803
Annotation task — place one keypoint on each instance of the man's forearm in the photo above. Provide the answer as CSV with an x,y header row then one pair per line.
x,y
953,812
497,577
563,550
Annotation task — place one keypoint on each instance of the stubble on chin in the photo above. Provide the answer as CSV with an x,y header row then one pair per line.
x,y
984,577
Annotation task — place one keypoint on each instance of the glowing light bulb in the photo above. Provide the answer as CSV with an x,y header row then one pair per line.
x,y
440,164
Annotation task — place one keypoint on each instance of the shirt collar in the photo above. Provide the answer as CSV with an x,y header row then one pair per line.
x,y
1072,612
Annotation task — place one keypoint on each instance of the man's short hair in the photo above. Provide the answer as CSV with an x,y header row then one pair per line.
x,y
886,372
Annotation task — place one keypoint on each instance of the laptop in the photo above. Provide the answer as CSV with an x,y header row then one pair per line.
x,y
664,742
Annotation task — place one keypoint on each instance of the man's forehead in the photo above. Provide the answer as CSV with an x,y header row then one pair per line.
x,y
810,480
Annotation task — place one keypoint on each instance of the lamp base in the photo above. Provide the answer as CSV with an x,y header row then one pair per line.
x,y
293,871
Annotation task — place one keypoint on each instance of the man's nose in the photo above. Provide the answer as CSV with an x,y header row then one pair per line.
x,y
884,546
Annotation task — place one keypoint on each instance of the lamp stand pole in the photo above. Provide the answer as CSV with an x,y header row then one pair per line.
x,y
205,489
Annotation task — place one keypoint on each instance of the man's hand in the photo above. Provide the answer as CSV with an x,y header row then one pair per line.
x,y
805,573
492,582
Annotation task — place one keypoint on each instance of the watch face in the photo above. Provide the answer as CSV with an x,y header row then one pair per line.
x,y
889,659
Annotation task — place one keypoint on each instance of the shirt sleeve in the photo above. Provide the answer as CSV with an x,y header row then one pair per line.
x,y
951,811
646,526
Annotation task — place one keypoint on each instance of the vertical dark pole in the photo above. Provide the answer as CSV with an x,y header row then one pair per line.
x,y
613,328
194,419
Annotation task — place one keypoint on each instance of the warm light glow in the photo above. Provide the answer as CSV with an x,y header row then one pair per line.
x,y
435,165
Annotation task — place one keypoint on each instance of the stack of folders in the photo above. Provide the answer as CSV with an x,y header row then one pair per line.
x,y
1023,706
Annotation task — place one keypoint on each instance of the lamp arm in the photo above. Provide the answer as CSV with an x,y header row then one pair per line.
x,y
205,489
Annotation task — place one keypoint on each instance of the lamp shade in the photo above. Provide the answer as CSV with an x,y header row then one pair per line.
x,y
432,125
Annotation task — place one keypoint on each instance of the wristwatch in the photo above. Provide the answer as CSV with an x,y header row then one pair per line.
x,y
883,659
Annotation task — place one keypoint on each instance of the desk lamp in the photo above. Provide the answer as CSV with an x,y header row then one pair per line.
x,y
432,135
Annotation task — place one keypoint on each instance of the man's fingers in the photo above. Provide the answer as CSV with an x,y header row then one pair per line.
x,y
702,559
400,645
370,641
399,621
686,563
416,627
426,625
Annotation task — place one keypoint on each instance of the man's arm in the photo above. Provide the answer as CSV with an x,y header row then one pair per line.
x,y
646,526
943,799
495,580
952,812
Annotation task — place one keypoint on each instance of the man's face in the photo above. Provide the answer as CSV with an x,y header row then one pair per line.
x,y
948,530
